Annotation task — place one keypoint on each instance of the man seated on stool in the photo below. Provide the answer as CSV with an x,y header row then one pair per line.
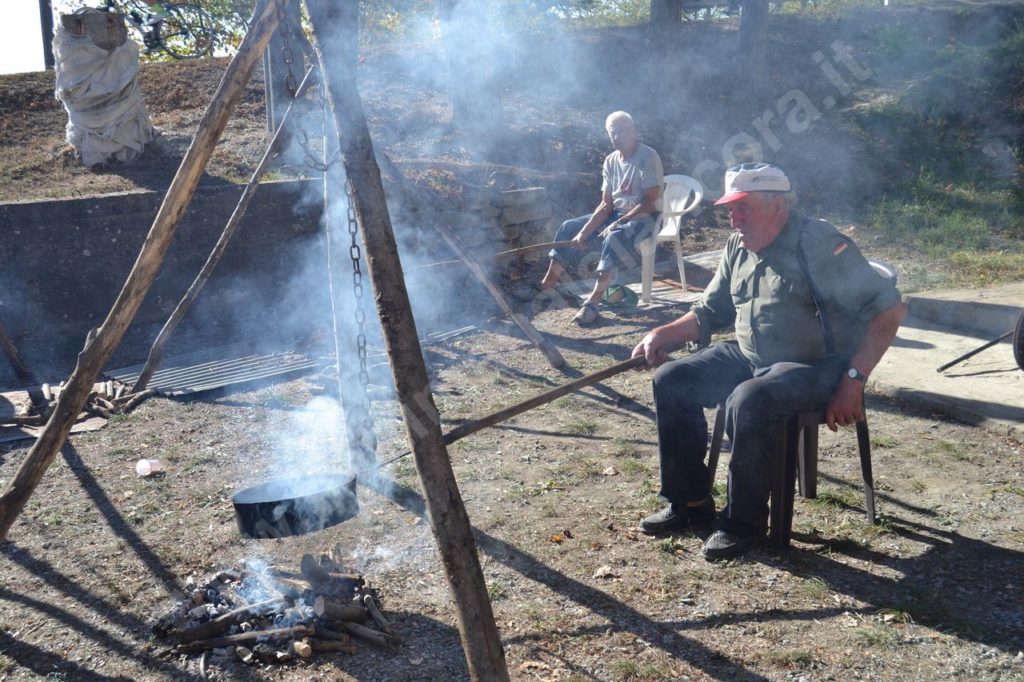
x,y
632,177
812,319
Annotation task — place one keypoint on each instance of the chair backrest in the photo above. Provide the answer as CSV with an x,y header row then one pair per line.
x,y
682,195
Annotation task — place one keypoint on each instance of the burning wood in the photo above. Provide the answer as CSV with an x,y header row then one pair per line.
x,y
275,616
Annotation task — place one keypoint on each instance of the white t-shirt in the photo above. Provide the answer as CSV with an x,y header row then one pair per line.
x,y
629,179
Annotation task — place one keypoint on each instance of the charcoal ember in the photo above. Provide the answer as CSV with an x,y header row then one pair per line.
x,y
265,653
199,597
203,612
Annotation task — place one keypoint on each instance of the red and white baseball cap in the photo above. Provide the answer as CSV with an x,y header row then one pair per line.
x,y
753,177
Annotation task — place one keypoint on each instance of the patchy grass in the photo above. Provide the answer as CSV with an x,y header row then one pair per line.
x,y
814,588
835,498
582,426
878,636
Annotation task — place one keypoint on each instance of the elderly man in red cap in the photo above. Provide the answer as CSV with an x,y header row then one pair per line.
x,y
812,319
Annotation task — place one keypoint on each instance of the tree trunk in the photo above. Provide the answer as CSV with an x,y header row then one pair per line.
x,y
473,88
753,42
666,17
99,347
448,519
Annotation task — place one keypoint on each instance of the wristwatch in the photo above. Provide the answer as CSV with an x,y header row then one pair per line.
x,y
856,374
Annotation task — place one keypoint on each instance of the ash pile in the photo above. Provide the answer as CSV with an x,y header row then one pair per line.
x,y
270,615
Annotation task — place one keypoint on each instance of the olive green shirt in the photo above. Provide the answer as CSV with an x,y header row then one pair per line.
x,y
768,297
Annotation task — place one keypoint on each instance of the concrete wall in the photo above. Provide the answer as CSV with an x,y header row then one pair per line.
x,y
64,262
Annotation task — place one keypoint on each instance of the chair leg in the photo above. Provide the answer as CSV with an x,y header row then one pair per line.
x,y
716,445
783,482
647,269
807,460
681,264
864,446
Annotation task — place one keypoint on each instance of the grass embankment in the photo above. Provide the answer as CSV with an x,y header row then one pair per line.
x,y
952,140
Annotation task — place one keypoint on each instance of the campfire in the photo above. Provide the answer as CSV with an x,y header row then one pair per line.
x,y
266,614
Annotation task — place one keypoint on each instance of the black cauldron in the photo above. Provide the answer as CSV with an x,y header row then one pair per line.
x,y
293,506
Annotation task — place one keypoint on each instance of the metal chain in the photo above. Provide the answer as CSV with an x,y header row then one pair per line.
x,y
287,55
355,254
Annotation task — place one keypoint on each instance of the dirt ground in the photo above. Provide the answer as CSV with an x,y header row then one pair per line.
x,y
934,591
555,495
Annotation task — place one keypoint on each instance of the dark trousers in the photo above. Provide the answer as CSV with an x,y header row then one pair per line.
x,y
756,401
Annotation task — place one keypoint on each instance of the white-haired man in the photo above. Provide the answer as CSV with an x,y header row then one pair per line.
x,y
632,177
812,319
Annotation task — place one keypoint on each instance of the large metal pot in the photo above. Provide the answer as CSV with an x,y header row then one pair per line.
x,y
293,506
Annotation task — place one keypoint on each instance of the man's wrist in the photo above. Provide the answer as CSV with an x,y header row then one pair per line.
x,y
856,375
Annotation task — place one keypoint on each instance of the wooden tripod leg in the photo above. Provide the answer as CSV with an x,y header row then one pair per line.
x,y
550,352
11,351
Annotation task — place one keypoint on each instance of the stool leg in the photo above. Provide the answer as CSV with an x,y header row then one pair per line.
x,y
864,446
783,482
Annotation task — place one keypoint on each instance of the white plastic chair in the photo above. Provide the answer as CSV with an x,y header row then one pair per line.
x,y
682,195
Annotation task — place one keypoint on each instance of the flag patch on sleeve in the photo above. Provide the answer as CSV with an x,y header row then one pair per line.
x,y
840,247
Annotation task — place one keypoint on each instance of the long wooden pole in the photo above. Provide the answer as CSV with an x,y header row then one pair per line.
x,y
156,351
469,427
335,28
555,358
99,347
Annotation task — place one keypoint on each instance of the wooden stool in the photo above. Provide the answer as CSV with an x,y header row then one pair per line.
x,y
797,451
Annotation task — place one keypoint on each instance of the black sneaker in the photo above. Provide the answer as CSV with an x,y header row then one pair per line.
x,y
724,545
675,517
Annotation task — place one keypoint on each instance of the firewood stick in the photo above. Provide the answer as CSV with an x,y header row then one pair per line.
x,y
225,621
374,637
29,420
330,646
104,403
339,611
312,571
300,647
92,408
131,400
325,582
242,638
323,632
355,579
371,606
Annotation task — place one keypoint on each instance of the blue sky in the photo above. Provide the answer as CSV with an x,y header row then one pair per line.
x,y
21,43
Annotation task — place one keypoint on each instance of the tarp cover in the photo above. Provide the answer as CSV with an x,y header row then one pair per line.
x,y
107,118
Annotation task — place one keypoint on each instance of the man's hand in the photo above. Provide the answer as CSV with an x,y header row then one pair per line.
x,y
578,241
846,405
652,349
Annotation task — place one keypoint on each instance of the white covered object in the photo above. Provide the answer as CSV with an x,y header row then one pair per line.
x,y
107,118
